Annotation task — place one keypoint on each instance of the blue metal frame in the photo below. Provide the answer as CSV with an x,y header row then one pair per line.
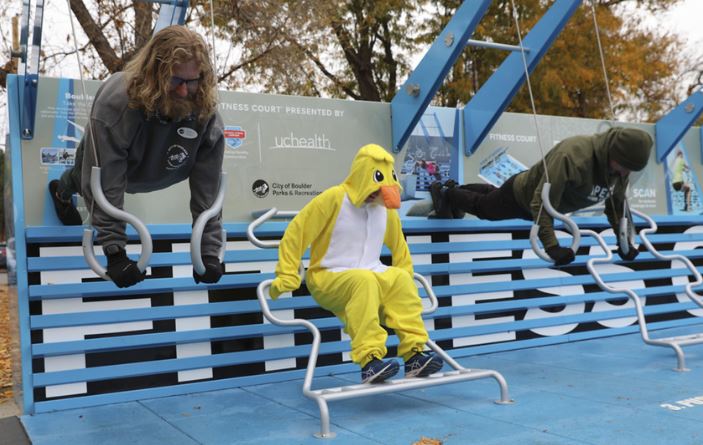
x,y
172,12
673,126
15,151
412,99
495,94
31,67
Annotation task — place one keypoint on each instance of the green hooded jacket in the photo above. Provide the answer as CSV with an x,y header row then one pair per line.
x,y
580,177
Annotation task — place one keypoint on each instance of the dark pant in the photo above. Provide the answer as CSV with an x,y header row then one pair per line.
x,y
70,181
488,202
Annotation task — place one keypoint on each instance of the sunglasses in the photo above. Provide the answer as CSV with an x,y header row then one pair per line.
x,y
191,84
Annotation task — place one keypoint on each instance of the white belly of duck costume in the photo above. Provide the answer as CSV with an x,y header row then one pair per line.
x,y
346,229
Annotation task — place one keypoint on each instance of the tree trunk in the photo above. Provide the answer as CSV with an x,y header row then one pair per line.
x,y
96,37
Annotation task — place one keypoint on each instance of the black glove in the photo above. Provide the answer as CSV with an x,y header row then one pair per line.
x,y
123,271
560,255
213,270
631,253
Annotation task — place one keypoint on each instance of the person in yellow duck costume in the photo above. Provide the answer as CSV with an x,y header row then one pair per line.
x,y
346,227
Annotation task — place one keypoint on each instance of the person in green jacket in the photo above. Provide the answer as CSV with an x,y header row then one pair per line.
x,y
582,171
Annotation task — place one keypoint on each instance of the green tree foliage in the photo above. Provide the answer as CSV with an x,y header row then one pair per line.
x,y
356,49
569,81
362,49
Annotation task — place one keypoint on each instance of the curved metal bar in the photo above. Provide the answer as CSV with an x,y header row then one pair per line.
x,y
689,265
434,304
568,222
89,255
103,203
196,236
590,265
673,342
261,293
626,231
269,214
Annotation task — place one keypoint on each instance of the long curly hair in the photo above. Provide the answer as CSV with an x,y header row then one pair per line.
x,y
148,74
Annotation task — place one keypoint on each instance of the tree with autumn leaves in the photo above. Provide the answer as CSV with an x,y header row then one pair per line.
x,y
362,50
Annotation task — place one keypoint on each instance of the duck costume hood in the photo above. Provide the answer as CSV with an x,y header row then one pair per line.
x,y
372,173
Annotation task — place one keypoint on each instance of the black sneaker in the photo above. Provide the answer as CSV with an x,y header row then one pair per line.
x,y
65,211
440,201
377,371
423,364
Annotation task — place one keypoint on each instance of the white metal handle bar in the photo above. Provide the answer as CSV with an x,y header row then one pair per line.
x,y
103,203
262,292
269,214
430,294
625,235
626,231
698,279
199,227
568,222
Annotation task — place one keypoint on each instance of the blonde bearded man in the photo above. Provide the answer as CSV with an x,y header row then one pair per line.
x,y
153,125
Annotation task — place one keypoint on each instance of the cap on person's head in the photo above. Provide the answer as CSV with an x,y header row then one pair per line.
x,y
630,148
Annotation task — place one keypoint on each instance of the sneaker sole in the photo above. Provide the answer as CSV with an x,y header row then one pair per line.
x,y
430,367
389,371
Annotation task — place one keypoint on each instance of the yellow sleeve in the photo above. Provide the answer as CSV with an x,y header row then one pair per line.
x,y
395,241
300,233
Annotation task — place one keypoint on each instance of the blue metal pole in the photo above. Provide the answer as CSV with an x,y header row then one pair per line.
x,y
31,71
671,128
16,203
414,96
493,97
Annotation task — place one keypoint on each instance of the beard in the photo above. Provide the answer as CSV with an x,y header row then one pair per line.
x,y
178,108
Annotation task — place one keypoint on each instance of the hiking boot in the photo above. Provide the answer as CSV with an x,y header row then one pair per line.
x,y
377,371
423,364
440,201
65,210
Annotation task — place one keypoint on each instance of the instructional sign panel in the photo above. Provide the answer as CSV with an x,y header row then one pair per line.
x,y
280,151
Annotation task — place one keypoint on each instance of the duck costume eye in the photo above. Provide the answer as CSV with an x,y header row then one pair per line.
x,y
372,175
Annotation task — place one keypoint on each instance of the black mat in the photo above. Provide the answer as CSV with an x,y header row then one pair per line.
x,y
12,432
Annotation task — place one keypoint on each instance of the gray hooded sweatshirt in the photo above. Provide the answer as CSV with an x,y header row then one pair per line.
x,y
140,154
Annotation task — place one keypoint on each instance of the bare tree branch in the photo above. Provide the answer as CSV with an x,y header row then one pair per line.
x,y
96,36
142,20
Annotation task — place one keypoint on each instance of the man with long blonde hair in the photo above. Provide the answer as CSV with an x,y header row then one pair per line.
x,y
152,125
